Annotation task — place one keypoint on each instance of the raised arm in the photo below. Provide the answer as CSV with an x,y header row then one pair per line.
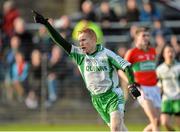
x,y
53,33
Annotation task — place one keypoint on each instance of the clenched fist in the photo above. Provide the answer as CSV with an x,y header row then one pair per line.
x,y
133,90
38,18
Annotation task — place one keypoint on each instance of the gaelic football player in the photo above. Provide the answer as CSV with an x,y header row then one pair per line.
x,y
98,67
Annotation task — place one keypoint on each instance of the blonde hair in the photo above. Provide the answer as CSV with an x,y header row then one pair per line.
x,y
88,31
141,29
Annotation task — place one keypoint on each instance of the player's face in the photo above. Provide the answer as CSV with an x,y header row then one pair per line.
x,y
143,40
87,43
169,54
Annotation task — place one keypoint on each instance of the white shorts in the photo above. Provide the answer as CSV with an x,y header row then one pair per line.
x,y
151,93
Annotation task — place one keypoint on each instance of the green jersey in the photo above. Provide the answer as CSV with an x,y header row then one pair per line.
x,y
99,69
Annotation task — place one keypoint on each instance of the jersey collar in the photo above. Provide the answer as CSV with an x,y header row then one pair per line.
x,y
99,48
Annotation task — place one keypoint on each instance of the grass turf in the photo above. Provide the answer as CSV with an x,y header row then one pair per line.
x,y
66,127
62,127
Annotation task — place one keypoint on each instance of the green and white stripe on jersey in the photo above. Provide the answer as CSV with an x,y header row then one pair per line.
x,y
99,70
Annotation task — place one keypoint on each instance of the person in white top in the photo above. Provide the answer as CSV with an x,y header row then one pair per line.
x,y
169,80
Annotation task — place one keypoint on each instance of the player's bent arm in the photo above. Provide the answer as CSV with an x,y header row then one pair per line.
x,y
58,38
121,64
129,74
122,75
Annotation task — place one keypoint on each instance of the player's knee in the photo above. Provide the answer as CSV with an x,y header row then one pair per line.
x,y
156,121
117,125
164,123
116,121
115,128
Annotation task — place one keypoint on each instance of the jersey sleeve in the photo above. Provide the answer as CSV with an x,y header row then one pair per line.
x,y
117,61
57,38
76,54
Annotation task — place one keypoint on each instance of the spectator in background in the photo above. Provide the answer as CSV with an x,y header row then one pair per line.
x,y
56,71
9,60
160,43
1,34
64,24
19,76
132,34
1,21
176,45
87,8
122,51
106,14
9,55
132,12
169,80
34,80
149,12
10,13
25,36
159,28
42,41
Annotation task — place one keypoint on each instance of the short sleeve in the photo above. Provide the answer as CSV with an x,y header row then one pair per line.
x,y
117,61
76,54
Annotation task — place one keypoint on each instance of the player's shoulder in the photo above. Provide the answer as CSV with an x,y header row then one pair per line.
x,y
132,51
109,52
76,49
161,67
177,65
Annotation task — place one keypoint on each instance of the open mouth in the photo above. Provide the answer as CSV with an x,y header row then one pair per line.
x,y
83,48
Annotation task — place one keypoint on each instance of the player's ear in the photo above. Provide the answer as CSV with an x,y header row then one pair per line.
x,y
94,38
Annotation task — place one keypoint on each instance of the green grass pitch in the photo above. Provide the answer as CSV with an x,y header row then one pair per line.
x,y
62,127
66,127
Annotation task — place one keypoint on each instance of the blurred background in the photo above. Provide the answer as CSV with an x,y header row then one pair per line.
x,y
40,84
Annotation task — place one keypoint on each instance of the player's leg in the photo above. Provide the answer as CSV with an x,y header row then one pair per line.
x,y
117,121
111,108
148,128
176,110
177,119
150,101
152,114
166,121
117,111
167,110
97,103
124,128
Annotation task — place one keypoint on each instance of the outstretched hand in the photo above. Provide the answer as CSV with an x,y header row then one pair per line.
x,y
38,18
133,90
